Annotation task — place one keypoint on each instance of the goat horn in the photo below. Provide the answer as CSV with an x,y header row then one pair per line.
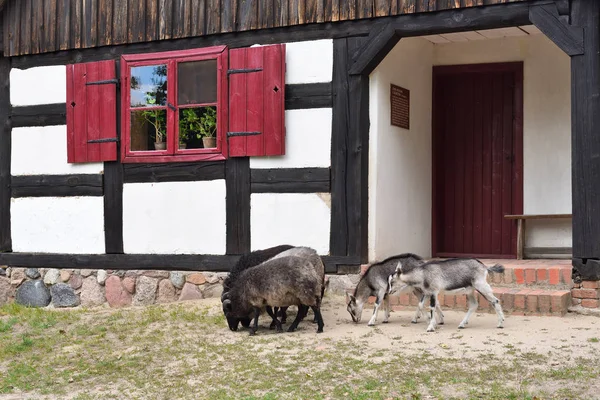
x,y
224,296
226,303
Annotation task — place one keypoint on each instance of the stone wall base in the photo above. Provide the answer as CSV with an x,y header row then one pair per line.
x,y
586,294
49,287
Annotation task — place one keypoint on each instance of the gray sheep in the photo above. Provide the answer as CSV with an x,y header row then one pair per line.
x,y
279,282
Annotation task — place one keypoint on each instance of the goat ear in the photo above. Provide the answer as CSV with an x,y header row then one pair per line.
x,y
352,299
399,268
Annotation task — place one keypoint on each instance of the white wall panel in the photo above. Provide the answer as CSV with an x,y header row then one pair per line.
x,y
39,85
307,141
43,151
300,219
58,225
309,61
174,217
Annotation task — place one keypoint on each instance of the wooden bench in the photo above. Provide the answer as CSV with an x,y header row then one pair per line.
x,y
521,227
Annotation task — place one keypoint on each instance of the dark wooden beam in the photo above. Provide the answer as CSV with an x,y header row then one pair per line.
x,y
164,262
297,96
379,43
338,245
5,153
585,144
113,207
237,182
357,164
291,180
57,185
308,95
173,172
569,38
39,115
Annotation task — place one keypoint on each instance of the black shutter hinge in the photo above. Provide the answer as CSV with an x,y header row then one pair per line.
x,y
231,134
105,82
243,71
108,140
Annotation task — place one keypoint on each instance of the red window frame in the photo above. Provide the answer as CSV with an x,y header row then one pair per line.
x,y
172,152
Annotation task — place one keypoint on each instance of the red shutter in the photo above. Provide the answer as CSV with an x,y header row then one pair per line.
x,y
91,112
257,101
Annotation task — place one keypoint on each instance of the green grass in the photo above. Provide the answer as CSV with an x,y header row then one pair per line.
x,y
187,352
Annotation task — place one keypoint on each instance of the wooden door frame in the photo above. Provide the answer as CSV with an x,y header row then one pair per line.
x,y
517,179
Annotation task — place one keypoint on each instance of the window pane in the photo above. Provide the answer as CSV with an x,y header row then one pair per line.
x,y
148,130
197,82
148,86
197,127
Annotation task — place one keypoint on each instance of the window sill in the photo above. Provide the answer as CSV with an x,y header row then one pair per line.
x,y
175,158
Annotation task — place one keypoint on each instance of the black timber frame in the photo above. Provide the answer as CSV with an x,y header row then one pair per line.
x,y
573,26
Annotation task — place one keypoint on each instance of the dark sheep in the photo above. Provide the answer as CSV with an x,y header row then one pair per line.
x,y
280,282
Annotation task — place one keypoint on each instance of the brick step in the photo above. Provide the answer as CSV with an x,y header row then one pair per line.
x,y
515,301
533,275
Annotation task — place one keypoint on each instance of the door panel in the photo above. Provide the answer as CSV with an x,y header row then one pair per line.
x,y
477,163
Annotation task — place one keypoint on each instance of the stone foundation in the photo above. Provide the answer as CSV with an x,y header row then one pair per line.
x,y
116,288
86,287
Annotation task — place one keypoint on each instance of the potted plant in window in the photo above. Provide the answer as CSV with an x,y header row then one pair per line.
x,y
156,118
208,127
188,123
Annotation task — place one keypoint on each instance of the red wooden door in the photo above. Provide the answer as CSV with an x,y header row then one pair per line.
x,y
477,159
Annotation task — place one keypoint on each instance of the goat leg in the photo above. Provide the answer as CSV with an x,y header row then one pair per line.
x,y
386,308
255,325
273,314
319,317
432,323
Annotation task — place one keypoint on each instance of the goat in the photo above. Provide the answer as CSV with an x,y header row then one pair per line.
x,y
247,261
448,275
375,283
280,282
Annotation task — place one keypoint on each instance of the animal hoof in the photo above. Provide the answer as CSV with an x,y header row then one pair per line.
x,y
500,327
370,324
414,321
430,330
441,323
319,330
461,327
290,329
386,321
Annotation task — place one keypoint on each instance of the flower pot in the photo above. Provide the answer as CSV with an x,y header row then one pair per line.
x,y
209,142
160,145
182,145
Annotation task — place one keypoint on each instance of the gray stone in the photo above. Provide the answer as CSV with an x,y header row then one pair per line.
x,y
32,273
33,294
52,276
7,291
101,276
211,277
190,292
65,275
339,283
166,292
91,292
86,272
177,279
63,295
8,271
212,290
145,291
222,275
76,281
120,273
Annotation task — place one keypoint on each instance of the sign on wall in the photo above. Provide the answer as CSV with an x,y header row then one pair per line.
x,y
400,106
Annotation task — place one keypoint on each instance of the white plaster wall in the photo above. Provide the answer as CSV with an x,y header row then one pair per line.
x,y
174,217
309,61
307,141
39,85
58,225
43,150
400,159
546,125
301,219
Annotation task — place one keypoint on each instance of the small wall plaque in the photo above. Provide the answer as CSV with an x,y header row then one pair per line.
x,y
400,106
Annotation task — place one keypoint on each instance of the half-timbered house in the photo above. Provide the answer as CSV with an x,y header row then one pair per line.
x,y
362,129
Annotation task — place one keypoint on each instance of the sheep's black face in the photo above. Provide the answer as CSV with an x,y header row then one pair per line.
x,y
233,323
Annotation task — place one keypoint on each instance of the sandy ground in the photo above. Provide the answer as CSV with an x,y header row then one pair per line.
x,y
574,334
